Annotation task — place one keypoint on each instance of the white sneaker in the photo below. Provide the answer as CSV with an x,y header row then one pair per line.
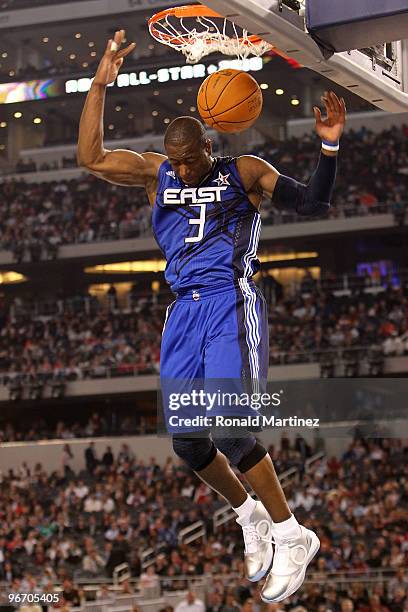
x,y
292,556
258,545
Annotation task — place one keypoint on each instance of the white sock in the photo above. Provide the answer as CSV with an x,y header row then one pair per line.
x,y
245,510
287,529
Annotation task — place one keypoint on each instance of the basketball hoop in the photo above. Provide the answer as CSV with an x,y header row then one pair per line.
x,y
197,31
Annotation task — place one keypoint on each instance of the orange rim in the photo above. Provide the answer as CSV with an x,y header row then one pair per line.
x,y
193,10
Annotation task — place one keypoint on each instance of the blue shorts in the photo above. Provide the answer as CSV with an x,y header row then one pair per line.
x,y
215,339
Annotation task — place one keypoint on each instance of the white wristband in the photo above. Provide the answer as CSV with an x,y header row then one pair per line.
x,y
330,146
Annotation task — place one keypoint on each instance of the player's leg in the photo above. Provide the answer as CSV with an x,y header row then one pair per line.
x,y
219,476
295,545
223,371
181,364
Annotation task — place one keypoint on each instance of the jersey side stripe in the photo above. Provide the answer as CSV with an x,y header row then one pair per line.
x,y
258,233
252,330
250,250
168,310
253,245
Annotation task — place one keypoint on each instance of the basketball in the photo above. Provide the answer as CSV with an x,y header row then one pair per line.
x,y
229,100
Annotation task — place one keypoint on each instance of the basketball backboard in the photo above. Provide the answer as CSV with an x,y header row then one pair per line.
x,y
378,74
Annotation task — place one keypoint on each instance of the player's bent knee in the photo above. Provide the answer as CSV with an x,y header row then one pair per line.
x,y
243,453
198,453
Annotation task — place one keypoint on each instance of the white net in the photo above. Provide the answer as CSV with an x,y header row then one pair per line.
x,y
199,36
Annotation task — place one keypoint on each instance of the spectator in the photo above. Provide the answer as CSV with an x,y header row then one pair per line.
x,y
90,458
93,562
70,593
190,604
108,459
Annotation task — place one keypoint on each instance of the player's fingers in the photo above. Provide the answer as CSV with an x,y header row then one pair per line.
x,y
329,103
119,36
326,105
317,114
335,102
115,43
126,51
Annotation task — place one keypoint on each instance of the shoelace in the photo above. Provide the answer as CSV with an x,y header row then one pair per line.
x,y
251,534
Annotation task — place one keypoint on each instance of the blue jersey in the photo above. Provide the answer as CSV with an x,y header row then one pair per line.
x,y
208,234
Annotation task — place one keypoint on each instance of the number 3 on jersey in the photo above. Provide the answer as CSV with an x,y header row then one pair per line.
x,y
200,222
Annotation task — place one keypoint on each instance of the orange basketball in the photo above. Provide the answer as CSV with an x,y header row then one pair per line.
x,y
229,100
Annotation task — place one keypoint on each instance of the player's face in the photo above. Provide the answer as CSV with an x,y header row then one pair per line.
x,y
191,162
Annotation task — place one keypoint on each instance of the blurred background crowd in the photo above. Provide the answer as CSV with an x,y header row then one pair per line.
x,y
37,218
71,526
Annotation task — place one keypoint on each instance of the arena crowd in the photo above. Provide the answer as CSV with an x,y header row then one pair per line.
x,y
71,527
36,219
80,338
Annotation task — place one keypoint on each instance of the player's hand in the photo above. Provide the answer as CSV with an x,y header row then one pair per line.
x,y
331,128
112,59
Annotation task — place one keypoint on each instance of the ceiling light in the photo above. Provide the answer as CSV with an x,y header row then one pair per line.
x,y
295,102
111,126
59,48
3,124
4,55
45,39
91,44
192,109
166,120
145,265
37,120
93,53
18,115
264,86
2,147
78,35
85,64
8,276
179,100
130,116
12,73
155,113
279,92
118,108
72,56
156,93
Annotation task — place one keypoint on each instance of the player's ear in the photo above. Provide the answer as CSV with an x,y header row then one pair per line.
x,y
208,146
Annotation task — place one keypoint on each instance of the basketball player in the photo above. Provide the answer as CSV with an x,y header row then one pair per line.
x,y
206,221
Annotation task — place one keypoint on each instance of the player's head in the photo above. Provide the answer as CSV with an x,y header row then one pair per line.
x,y
188,149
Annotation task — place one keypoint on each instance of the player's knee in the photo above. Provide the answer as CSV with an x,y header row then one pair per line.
x,y
198,453
243,453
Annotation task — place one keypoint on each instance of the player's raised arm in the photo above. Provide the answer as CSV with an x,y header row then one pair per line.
x,y
313,198
119,166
